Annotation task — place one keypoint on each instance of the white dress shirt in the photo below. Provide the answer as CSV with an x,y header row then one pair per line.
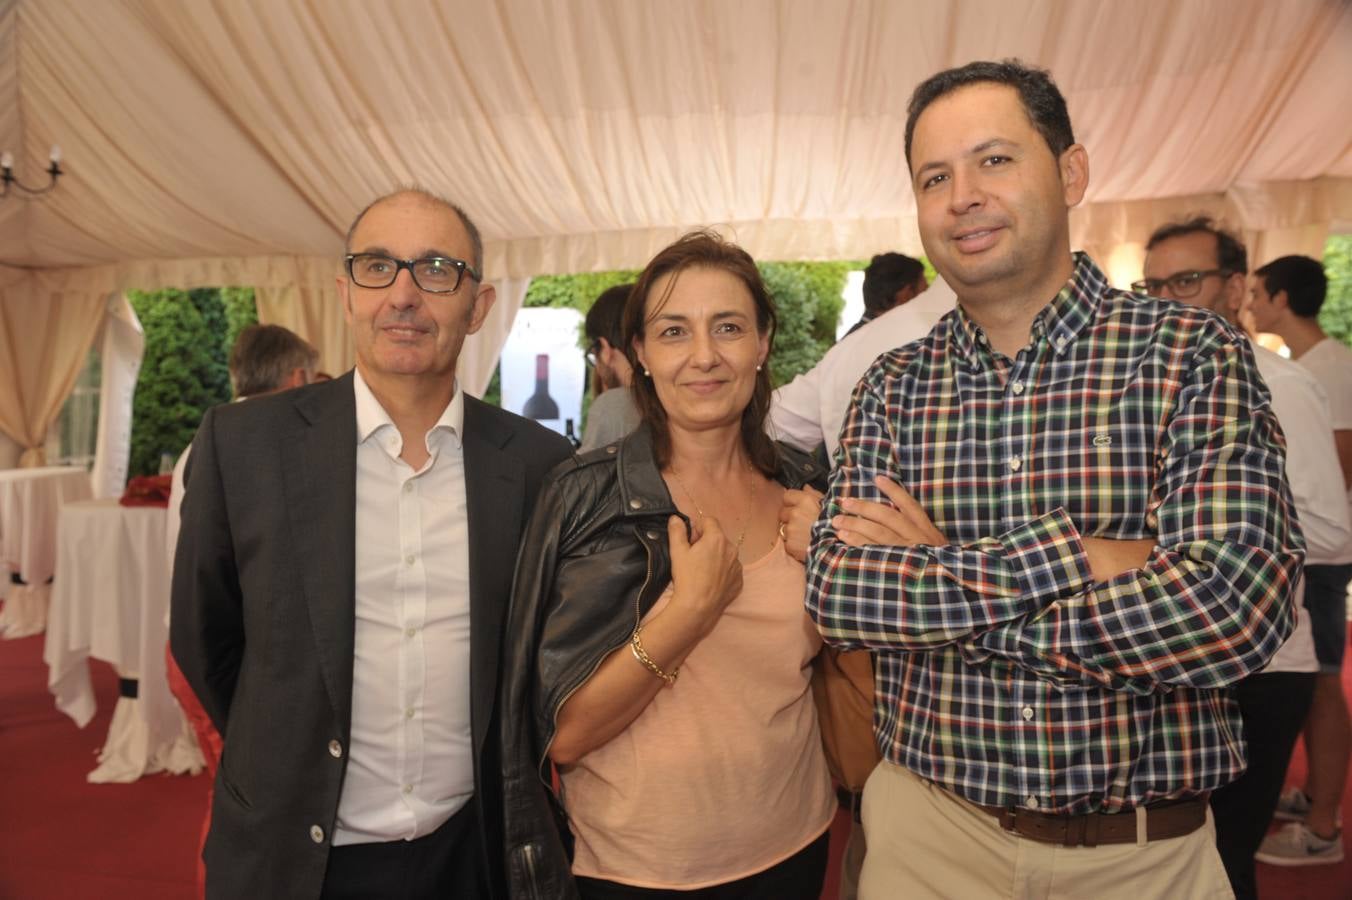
x,y
811,408
410,758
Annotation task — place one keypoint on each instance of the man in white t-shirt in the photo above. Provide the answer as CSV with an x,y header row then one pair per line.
x,y
810,409
613,412
1198,263
807,413
1285,299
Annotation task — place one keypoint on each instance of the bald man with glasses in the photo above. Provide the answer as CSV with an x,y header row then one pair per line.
x,y
342,570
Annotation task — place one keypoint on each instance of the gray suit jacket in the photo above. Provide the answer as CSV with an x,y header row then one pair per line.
x,y
264,616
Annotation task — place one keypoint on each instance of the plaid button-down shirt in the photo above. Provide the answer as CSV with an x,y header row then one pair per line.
x,y
1004,672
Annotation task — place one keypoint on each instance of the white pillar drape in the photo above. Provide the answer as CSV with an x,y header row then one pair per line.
x,y
124,344
479,356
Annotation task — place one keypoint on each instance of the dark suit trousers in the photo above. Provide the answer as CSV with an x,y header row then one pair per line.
x,y
443,864
1273,706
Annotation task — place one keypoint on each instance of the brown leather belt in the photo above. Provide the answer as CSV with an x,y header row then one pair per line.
x,y
1163,820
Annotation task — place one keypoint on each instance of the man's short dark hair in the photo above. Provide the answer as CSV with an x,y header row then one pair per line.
x,y
1230,253
1041,99
476,241
886,274
1302,278
263,357
605,319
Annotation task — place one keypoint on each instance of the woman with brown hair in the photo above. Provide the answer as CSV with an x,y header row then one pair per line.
x,y
661,654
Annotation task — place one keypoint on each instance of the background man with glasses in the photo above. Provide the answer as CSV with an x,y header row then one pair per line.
x,y
344,561
612,413
1285,298
1201,264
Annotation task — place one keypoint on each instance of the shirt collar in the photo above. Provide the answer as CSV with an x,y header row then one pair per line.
x,y
371,416
1061,321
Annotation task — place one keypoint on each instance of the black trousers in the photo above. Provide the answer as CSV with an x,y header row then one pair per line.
x,y
800,877
1274,706
443,864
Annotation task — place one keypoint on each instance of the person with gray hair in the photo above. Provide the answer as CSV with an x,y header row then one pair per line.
x,y
264,359
269,358
340,583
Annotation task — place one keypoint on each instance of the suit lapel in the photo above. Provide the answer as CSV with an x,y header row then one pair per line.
x,y
494,492
321,484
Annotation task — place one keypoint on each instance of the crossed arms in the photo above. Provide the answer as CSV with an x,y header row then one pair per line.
x,y
1201,603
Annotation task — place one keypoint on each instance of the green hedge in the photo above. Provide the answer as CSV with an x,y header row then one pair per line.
x,y
184,371
1335,316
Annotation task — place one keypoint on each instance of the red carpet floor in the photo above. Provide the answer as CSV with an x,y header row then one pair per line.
x,y
64,839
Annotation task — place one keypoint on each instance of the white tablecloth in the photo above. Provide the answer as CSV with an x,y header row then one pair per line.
x,y
29,502
110,600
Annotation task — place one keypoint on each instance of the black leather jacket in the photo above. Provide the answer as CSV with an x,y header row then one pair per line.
x,y
593,561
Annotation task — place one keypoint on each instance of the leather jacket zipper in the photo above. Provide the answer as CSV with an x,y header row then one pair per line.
x,y
554,714
532,881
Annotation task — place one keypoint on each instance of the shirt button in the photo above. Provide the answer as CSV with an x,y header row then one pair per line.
x,y
1032,802
1015,464
1060,342
408,713
316,834
1028,713
1017,387
335,750
408,486
409,559
410,631
652,535
408,789
635,503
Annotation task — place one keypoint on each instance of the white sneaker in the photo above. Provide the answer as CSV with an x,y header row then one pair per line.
x,y
1296,845
1292,806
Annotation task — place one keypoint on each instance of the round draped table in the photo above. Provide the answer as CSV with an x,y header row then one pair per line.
x,y
110,601
29,502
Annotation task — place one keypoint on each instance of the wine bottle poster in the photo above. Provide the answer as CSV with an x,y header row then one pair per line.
x,y
543,370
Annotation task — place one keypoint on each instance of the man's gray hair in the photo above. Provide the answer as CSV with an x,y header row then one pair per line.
x,y
265,355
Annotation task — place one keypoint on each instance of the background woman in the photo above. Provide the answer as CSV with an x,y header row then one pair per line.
x,y
665,654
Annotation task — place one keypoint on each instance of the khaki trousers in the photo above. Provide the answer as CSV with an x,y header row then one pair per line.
x,y
924,842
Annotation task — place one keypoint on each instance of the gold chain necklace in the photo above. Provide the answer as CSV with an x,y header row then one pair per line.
x,y
746,519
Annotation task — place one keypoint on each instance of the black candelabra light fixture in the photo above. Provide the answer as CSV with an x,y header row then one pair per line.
x,y
8,178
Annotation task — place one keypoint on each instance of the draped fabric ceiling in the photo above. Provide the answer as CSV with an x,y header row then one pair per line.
x,y
231,142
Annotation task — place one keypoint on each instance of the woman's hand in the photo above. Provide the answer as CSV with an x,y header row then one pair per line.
x,y
901,523
705,576
796,515
705,572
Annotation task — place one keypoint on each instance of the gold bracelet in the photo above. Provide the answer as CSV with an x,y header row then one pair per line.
x,y
642,656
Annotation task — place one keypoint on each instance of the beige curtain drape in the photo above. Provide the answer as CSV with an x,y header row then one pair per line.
x,y
309,306
45,336
479,356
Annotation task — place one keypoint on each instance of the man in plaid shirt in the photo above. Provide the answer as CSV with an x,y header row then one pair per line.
x,y
1060,521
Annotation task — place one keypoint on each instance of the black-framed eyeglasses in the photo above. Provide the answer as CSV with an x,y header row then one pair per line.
x,y
1180,284
433,274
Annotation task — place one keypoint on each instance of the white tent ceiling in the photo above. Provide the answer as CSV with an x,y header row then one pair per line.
x,y
232,141
583,134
